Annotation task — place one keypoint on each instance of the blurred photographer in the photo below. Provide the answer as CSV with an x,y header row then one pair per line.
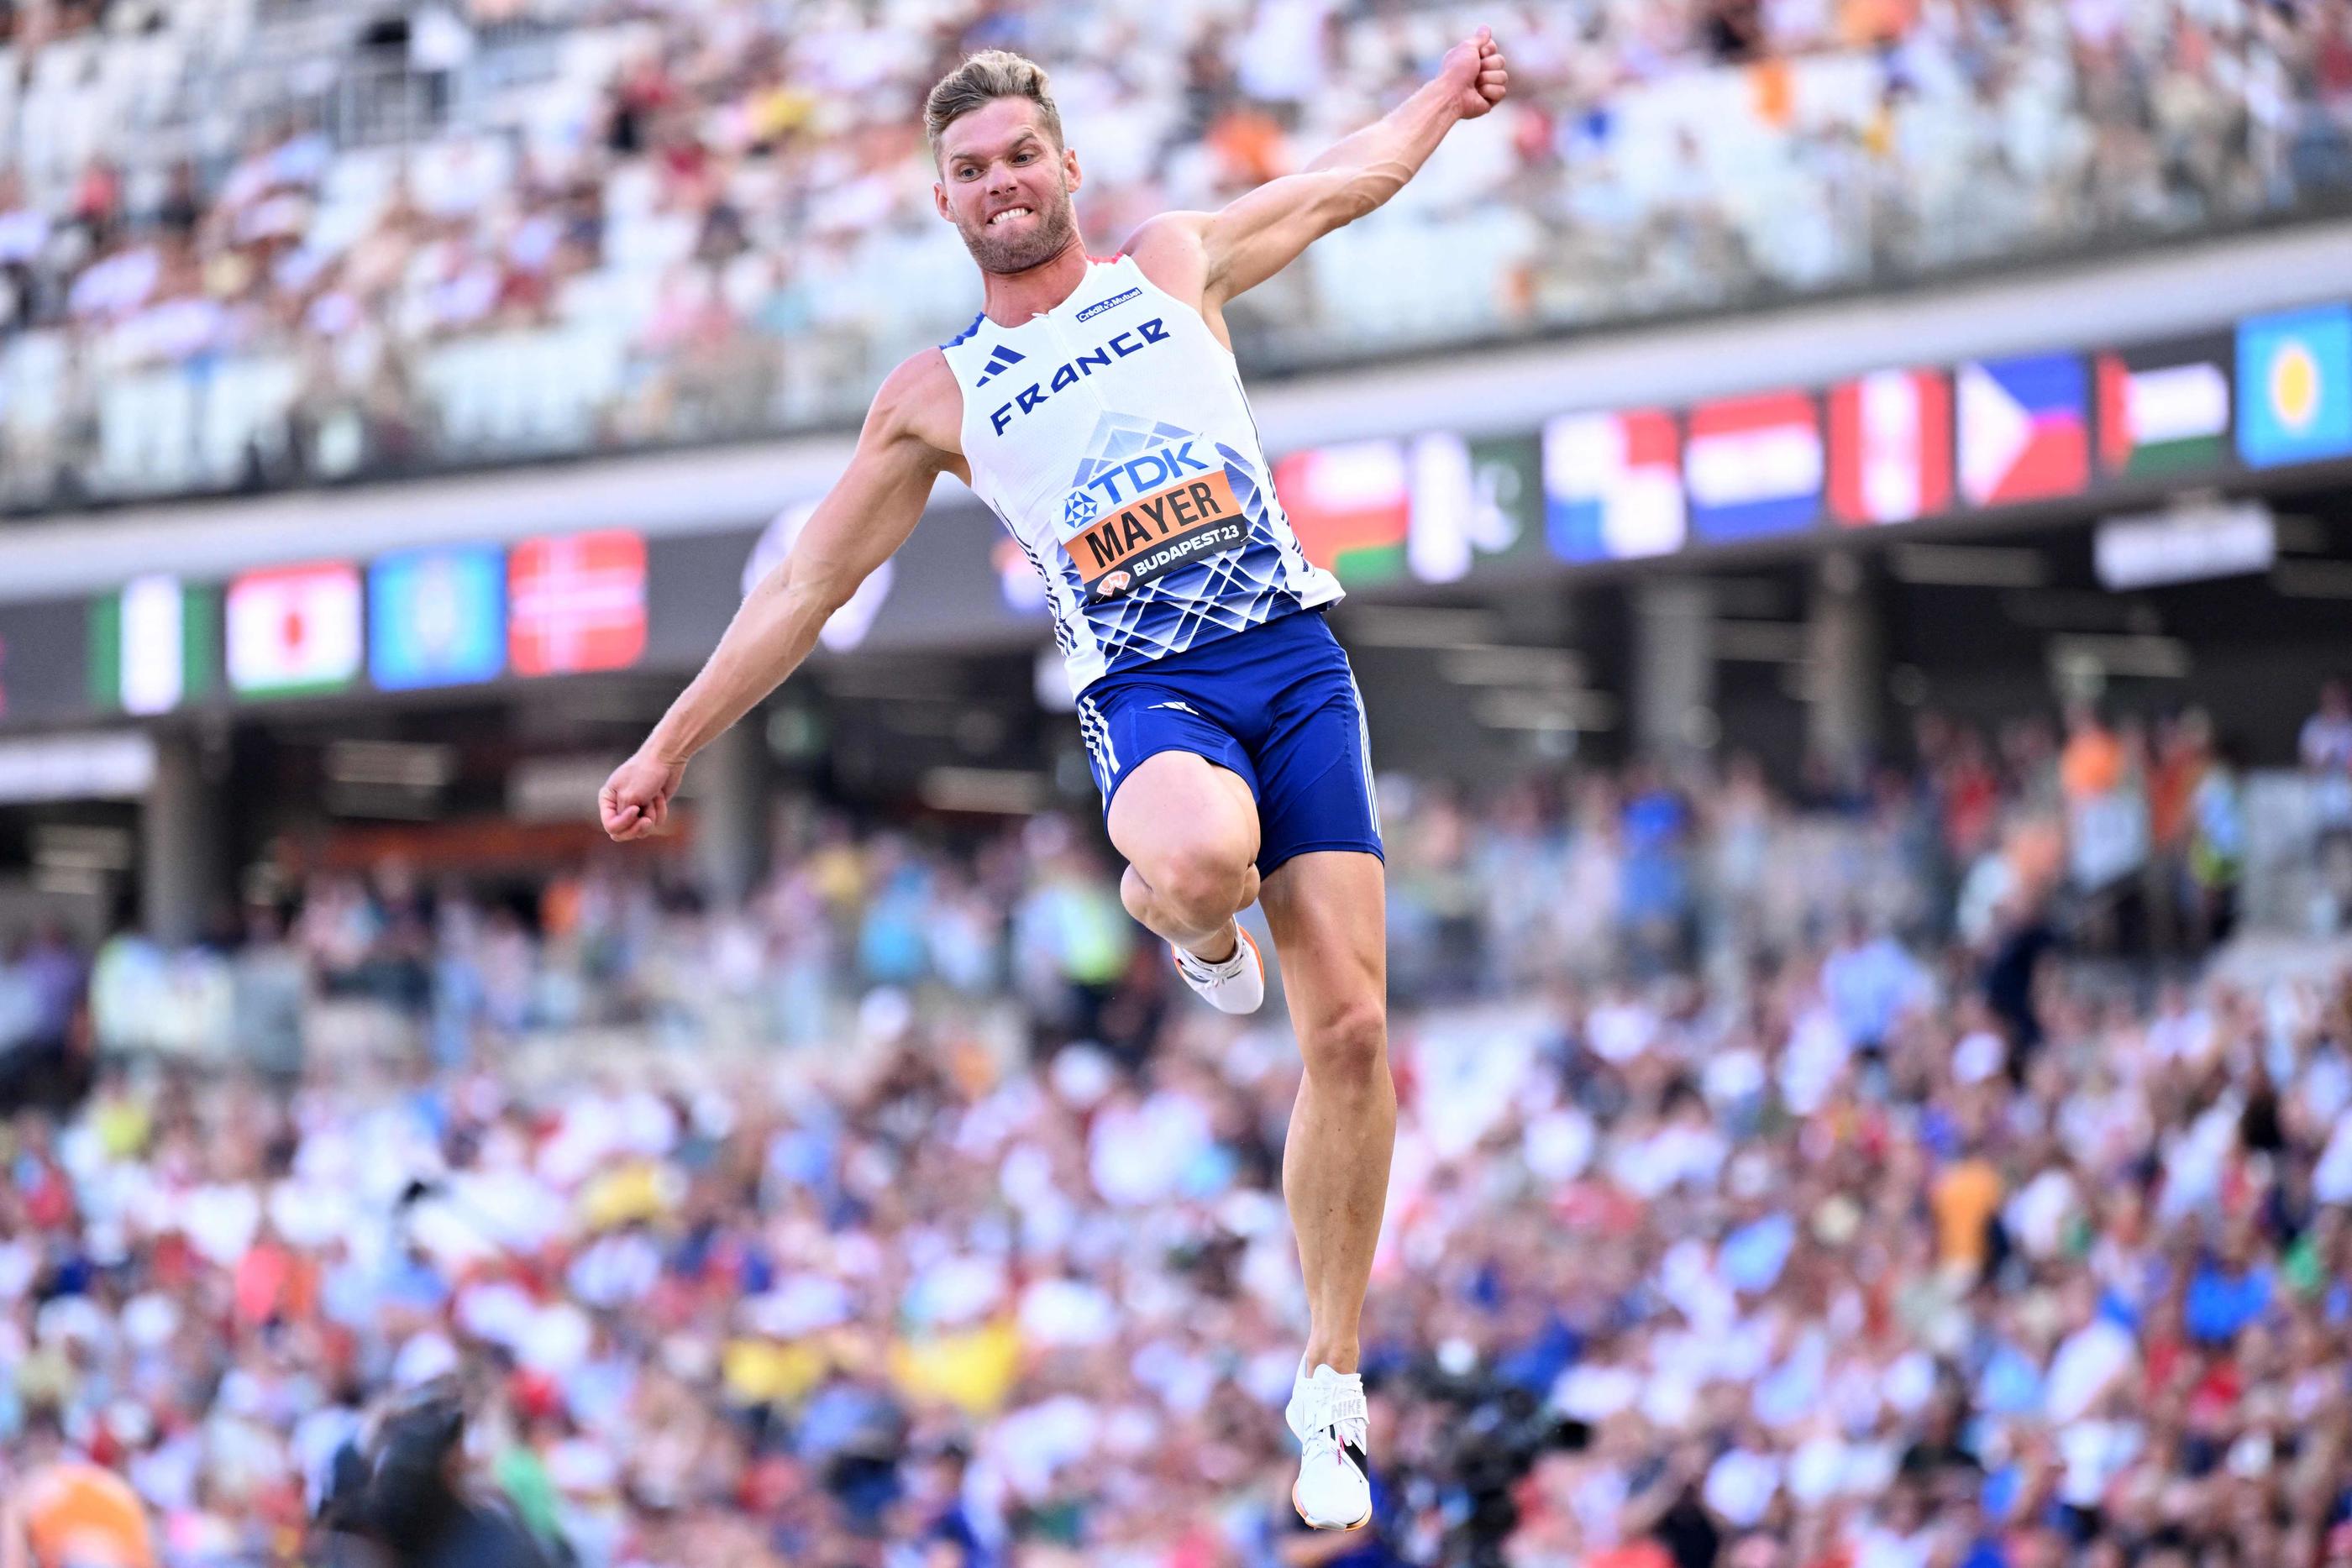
x,y
402,1501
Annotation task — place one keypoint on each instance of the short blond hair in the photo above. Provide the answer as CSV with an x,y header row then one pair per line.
x,y
980,80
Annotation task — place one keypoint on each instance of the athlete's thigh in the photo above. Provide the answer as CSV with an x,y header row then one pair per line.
x,y
1328,910
1175,783
1178,804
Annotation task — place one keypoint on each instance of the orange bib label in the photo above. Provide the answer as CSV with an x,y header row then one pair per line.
x,y
1154,534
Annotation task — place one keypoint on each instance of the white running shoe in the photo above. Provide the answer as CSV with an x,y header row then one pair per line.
x,y
1235,985
1333,1428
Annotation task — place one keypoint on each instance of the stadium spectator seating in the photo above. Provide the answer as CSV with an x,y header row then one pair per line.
x,y
249,242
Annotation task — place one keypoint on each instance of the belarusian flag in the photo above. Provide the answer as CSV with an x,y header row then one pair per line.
x,y
294,631
2162,411
151,645
1350,507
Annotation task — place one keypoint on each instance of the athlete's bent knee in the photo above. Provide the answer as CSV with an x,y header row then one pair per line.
x,y
1200,884
1348,1048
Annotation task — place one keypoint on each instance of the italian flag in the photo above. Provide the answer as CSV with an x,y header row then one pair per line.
x,y
151,645
294,631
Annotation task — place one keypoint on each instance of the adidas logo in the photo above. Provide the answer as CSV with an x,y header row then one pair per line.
x,y
1000,360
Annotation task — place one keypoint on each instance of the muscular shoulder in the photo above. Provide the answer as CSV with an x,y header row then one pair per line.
x,y
1172,251
920,403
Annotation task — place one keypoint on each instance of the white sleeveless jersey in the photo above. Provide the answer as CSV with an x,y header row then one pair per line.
x,y
1112,435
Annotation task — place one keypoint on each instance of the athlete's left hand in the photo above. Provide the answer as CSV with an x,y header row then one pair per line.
x,y
1474,70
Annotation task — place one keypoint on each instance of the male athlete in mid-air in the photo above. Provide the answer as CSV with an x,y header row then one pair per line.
x,y
1093,404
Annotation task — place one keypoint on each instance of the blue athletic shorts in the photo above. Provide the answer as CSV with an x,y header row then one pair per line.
x,y
1275,704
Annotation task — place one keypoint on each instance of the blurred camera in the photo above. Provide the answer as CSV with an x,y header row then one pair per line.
x,y
399,1497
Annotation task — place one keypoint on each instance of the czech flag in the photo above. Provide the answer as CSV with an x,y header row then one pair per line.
x,y
1753,465
1890,447
2025,428
1613,486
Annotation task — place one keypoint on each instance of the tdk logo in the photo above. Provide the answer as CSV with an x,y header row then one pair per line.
x,y
1000,360
1123,482
1086,364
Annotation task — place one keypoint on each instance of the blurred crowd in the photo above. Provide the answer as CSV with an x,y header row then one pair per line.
x,y
1755,1204
1585,874
508,226
2129,835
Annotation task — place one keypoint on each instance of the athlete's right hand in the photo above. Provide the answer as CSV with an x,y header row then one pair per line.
x,y
635,801
1474,71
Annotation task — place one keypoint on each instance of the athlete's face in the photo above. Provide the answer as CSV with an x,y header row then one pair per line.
x,y
1006,187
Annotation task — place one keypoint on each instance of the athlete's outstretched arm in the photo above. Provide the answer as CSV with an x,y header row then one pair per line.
x,y
867,515
1260,233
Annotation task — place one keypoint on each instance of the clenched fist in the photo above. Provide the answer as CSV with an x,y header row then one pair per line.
x,y
635,801
1474,68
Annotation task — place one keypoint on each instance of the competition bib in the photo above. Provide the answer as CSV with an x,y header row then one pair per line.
x,y
1154,534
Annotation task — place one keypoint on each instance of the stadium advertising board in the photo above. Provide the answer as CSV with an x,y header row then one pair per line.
x,y
952,589
2185,545
117,765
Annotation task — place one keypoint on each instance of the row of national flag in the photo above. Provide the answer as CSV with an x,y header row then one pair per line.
x,y
438,616
1908,443
1891,446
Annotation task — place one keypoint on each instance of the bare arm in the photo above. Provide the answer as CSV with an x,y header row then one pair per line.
x,y
864,518
1260,233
